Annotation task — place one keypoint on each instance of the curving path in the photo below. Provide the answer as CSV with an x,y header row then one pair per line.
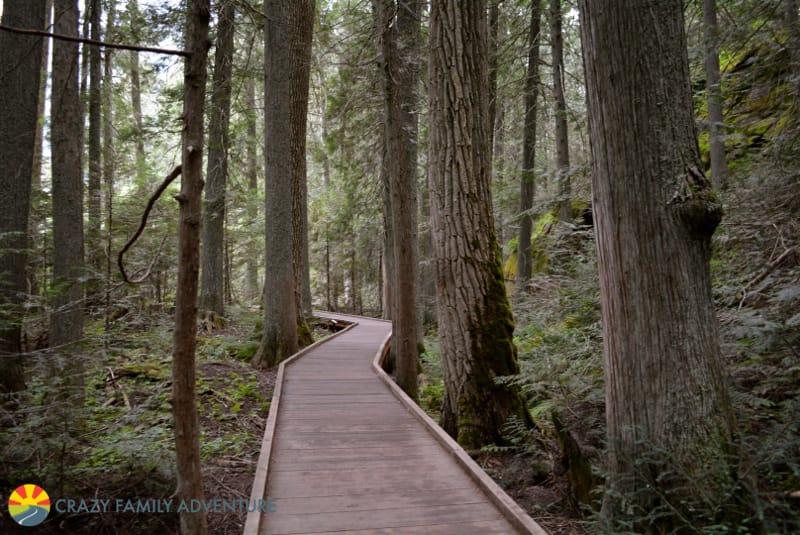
x,y
346,452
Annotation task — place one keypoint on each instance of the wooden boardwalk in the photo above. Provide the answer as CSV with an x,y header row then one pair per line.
x,y
346,452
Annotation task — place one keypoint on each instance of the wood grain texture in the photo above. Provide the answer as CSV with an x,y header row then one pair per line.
x,y
346,456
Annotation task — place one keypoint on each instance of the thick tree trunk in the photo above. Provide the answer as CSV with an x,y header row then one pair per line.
x,y
93,238
716,121
475,322
670,422
398,25
66,320
184,408
302,34
527,181
562,140
212,296
286,65
20,76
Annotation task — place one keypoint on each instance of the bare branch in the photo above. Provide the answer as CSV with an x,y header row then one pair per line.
x,y
153,198
25,31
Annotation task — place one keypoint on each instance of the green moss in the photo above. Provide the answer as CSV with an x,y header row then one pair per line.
x,y
304,336
244,351
486,404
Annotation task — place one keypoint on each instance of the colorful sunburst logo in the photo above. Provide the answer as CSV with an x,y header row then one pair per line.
x,y
29,505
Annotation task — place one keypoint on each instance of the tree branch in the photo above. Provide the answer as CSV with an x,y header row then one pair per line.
x,y
153,198
41,33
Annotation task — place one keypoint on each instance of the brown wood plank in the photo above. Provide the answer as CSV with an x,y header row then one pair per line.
x,y
381,518
307,484
348,457
491,527
318,441
388,453
398,463
362,502
353,425
338,399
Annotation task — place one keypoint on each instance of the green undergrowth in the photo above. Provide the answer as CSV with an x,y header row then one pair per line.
x,y
119,442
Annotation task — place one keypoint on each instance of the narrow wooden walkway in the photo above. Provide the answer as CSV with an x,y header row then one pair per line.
x,y
345,453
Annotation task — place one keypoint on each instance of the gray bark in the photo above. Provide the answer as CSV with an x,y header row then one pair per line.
x,y
66,320
38,218
527,180
20,77
667,405
252,285
136,93
716,121
109,152
398,24
212,296
475,322
562,139
286,66
93,238
790,7
302,36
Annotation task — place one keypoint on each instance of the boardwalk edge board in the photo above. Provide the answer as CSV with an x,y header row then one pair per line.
x,y
507,506
252,524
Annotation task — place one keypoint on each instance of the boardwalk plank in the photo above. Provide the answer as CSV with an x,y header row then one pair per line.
x,y
364,502
383,518
461,528
347,457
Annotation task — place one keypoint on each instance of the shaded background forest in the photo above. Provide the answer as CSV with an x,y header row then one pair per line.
x,y
756,278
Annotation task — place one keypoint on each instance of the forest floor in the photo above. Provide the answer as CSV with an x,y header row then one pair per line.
x,y
119,445
124,448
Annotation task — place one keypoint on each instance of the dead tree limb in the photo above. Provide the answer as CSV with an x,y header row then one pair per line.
x,y
136,48
153,198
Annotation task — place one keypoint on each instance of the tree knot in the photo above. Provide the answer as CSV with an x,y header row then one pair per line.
x,y
696,204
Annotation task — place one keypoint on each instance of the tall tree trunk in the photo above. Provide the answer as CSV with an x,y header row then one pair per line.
x,y
93,238
136,93
790,8
302,35
398,24
184,408
109,152
285,82
389,269
66,320
669,417
212,296
527,181
716,121
494,54
38,218
475,322
20,76
251,170
562,140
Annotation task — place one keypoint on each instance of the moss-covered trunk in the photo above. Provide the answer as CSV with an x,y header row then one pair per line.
x,y
475,322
